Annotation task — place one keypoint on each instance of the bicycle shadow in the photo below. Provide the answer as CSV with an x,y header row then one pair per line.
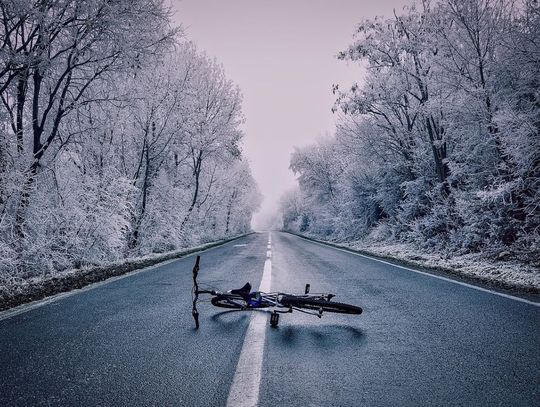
x,y
222,322
291,336
324,336
230,318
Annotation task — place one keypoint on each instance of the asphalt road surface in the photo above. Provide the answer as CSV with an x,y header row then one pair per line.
x,y
131,342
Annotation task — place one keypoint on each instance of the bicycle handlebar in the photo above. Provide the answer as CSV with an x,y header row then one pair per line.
x,y
194,311
196,271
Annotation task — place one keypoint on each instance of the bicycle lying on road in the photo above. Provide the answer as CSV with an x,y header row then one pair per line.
x,y
243,299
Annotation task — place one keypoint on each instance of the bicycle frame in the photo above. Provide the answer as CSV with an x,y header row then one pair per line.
x,y
261,301
257,301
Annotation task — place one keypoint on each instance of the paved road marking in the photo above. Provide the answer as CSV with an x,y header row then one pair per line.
x,y
475,287
240,245
247,378
40,303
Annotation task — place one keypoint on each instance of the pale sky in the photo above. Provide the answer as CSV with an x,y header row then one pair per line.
x,y
282,55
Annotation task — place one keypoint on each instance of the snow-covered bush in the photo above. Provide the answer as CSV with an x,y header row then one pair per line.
x,y
440,144
116,138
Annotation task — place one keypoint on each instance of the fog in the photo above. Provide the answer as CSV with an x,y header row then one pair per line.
x,y
282,55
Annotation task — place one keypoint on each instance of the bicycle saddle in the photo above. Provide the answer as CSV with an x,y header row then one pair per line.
x,y
243,292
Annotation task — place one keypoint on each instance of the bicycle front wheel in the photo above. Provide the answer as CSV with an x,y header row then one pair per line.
x,y
316,305
228,301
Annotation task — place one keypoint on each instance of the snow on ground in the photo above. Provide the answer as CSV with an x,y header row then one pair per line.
x,y
507,273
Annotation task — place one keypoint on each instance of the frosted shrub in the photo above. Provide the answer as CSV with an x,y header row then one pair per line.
x,y
439,146
126,140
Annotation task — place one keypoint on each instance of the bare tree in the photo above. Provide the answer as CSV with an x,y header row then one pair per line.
x,y
54,51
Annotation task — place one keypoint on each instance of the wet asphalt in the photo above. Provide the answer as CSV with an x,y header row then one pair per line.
x,y
132,342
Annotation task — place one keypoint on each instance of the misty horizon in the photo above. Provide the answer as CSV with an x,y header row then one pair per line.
x,y
282,54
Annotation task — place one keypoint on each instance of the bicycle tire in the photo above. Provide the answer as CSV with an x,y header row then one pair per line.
x,y
223,301
326,306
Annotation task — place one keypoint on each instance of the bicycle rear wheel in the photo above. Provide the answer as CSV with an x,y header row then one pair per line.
x,y
228,301
316,305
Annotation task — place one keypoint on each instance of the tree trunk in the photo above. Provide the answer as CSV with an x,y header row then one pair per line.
x,y
229,209
439,153
134,240
22,83
196,173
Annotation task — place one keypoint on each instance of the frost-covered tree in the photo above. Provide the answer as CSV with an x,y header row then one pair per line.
x,y
53,51
212,130
439,145
116,138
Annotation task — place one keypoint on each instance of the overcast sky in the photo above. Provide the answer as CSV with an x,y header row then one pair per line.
x,y
282,55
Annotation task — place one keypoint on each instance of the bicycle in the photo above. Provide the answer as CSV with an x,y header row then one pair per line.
x,y
243,299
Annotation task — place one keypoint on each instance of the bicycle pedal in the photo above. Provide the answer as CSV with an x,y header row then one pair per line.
x,y
274,319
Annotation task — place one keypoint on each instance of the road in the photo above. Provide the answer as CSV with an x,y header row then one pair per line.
x,y
131,342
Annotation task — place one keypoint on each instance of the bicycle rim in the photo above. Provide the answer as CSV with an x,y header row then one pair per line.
x,y
227,301
316,305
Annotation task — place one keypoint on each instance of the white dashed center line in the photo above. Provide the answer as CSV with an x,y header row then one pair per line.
x,y
247,378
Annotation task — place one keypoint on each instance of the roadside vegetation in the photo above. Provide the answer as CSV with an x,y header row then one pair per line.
x,y
437,148
118,138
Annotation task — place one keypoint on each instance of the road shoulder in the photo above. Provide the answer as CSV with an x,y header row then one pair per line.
x,y
41,288
526,291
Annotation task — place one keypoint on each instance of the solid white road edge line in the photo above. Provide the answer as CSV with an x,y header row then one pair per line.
x,y
247,378
511,297
21,309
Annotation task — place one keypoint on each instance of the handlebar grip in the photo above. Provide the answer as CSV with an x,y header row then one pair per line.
x,y
195,314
